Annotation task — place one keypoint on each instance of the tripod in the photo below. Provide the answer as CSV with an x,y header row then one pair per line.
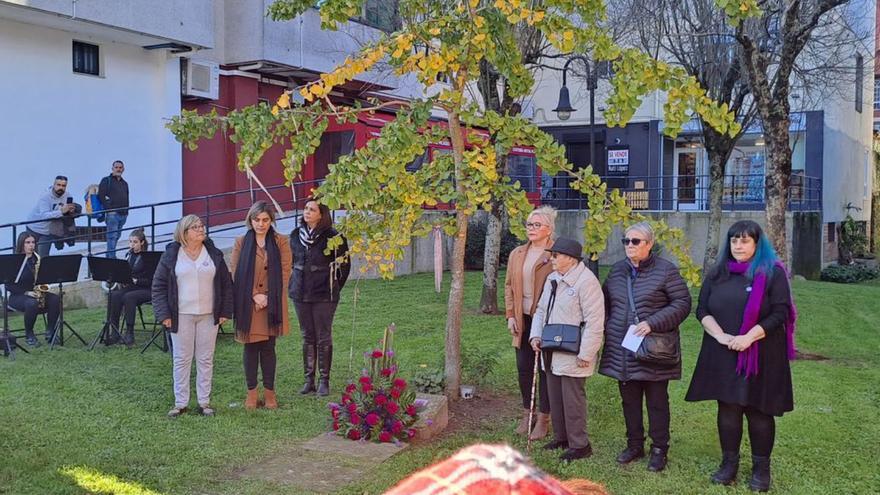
x,y
111,271
58,270
10,264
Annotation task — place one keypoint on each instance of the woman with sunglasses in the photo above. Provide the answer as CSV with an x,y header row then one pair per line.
x,y
527,269
748,318
662,301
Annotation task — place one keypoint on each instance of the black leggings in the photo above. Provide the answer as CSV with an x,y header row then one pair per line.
x,y
30,307
128,298
762,428
525,367
262,355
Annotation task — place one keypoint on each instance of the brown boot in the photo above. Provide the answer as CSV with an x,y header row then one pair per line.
x,y
542,427
271,401
252,400
523,427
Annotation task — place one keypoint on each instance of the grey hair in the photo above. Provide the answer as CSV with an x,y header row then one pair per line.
x,y
643,228
547,212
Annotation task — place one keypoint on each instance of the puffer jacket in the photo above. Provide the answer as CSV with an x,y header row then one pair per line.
x,y
578,300
662,300
316,277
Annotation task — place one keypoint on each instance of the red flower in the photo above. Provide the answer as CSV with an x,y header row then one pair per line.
x,y
386,372
381,399
366,388
395,394
411,432
400,383
351,408
385,436
411,410
335,414
365,379
354,434
372,419
345,399
355,419
397,426
350,388
377,354
335,425
392,407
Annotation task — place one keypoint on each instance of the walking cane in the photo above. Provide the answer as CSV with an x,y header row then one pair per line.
x,y
532,401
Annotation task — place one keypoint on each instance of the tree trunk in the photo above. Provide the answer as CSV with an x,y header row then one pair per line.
x,y
456,264
778,178
492,260
718,148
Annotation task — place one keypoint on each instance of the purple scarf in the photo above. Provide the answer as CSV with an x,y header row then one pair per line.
x,y
747,360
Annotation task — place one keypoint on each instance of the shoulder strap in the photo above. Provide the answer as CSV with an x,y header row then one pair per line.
x,y
632,302
553,285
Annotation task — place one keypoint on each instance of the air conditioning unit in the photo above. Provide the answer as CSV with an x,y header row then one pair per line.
x,y
200,78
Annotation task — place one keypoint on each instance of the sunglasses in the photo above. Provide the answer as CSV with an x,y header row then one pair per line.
x,y
534,225
635,242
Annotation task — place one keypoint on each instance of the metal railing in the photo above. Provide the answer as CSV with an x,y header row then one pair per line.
x,y
680,193
227,209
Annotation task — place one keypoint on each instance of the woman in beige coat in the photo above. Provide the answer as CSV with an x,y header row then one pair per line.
x,y
578,300
261,266
527,269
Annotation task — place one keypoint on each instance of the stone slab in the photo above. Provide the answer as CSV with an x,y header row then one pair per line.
x,y
433,419
335,444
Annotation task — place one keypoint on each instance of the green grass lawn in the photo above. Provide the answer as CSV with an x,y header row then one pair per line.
x,y
77,422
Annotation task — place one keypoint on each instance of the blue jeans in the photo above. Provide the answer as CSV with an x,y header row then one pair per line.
x,y
115,222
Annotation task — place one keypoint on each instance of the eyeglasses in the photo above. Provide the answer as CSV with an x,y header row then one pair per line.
x,y
198,227
534,225
635,242
553,255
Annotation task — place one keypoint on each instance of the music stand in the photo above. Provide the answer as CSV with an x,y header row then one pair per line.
x,y
60,269
152,258
10,265
113,272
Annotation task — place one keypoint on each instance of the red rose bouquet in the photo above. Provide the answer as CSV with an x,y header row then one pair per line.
x,y
379,406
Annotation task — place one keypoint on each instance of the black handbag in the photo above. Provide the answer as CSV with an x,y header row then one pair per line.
x,y
660,348
559,337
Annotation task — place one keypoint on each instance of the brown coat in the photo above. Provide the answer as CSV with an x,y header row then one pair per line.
x,y
513,286
260,319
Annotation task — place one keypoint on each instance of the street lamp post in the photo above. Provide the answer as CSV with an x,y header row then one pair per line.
x,y
564,109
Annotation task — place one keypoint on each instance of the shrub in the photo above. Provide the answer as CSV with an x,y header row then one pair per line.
x,y
478,364
429,381
476,244
849,274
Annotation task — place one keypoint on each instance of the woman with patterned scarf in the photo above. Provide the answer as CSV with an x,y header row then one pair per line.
x,y
261,265
748,315
317,278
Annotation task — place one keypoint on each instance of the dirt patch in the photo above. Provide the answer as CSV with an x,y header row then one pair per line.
x,y
484,410
809,356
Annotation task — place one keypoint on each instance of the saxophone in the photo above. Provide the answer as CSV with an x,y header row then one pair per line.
x,y
40,290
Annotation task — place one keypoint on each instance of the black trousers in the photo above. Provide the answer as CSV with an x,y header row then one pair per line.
x,y
30,307
657,398
762,428
316,322
525,367
260,355
127,298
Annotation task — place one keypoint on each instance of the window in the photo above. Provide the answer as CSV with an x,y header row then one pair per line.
x,y
876,93
522,168
860,81
333,145
86,58
381,14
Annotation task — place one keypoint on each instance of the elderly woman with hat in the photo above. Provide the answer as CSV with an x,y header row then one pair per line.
x,y
572,296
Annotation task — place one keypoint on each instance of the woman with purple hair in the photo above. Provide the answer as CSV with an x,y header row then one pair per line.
x,y
748,315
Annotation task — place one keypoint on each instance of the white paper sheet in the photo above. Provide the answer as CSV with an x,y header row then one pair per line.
x,y
632,341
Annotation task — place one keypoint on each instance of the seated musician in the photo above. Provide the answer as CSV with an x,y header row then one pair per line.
x,y
131,296
26,297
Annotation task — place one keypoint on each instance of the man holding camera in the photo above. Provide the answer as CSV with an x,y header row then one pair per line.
x,y
55,206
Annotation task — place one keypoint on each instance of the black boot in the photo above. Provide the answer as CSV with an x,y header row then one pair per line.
x,y
726,473
111,337
128,338
760,481
309,358
657,462
631,453
325,358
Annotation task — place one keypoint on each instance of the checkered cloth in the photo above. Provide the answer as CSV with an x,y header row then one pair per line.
x,y
483,470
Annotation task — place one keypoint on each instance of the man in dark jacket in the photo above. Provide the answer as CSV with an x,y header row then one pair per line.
x,y
113,192
662,301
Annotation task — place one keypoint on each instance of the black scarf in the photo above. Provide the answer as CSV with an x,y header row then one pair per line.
x,y
244,282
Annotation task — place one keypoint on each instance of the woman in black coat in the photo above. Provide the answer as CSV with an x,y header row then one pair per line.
x,y
192,297
662,302
131,296
315,283
748,315
22,296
